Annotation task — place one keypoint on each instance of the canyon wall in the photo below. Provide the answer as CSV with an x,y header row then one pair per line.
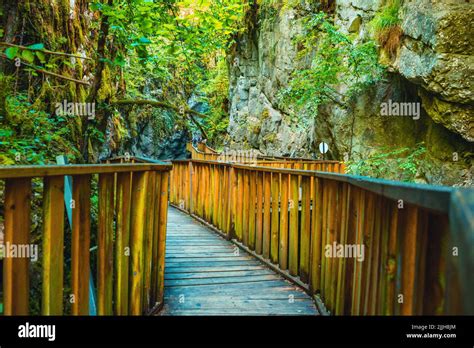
x,y
432,66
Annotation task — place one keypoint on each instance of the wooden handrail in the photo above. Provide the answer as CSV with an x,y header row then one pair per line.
x,y
8,172
209,153
132,214
295,219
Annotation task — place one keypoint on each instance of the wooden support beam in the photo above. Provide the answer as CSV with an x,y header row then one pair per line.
x,y
53,245
17,233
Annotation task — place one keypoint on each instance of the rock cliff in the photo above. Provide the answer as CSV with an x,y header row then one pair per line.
x,y
432,65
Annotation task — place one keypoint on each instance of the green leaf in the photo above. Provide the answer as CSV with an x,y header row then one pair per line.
x,y
28,56
144,40
41,56
11,52
35,47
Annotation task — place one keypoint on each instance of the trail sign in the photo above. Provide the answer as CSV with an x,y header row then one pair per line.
x,y
323,148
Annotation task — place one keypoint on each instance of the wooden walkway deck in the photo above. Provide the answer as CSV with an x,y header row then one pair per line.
x,y
208,275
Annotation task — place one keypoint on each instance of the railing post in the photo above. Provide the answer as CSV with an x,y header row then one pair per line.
x,y
17,232
105,258
138,215
122,243
81,243
163,218
53,245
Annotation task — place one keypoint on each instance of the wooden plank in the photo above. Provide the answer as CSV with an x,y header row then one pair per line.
x,y
212,281
239,207
373,298
330,239
324,235
391,266
209,269
148,237
76,169
81,224
17,232
155,239
122,243
105,256
259,214
368,243
53,246
341,272
277,293
245,207
223,304
274,233
233,200
217,184
63,160
138,225
294,229
316,248
218,197
163,218
210,262
251,208
305,238
283,245
384,235
409,260
216,274
435,288
266,233
357,276
420,275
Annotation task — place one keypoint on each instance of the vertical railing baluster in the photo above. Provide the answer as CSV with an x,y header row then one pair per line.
x,y
138,224
81,226
251,208
163,218
274,233
259,212
283,235
267,194
122,243
305,237
105,244
17,232
53,245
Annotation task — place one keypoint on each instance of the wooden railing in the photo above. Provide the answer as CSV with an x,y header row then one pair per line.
x,y
203,152
397,253
132,205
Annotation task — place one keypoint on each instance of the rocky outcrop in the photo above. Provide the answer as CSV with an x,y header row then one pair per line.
x,y
262,65
438,54
433,67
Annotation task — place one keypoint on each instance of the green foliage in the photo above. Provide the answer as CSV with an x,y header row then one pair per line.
x,y
387,17
171,47
29,136
215,91
337,60
385,27
400,164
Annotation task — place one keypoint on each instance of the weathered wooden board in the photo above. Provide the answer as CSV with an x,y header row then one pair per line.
x,y
207,275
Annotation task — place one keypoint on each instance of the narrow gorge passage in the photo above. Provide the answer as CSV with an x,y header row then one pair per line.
x,y
205,276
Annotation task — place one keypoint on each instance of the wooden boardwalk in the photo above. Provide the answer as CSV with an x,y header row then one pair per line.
x,y
208,275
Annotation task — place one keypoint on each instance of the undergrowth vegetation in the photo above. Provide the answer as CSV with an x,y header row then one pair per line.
x,y
385,27
337,60
401,164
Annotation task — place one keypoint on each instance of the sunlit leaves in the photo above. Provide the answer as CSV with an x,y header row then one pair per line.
x,y
37,46
11,52
28,56
336,60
